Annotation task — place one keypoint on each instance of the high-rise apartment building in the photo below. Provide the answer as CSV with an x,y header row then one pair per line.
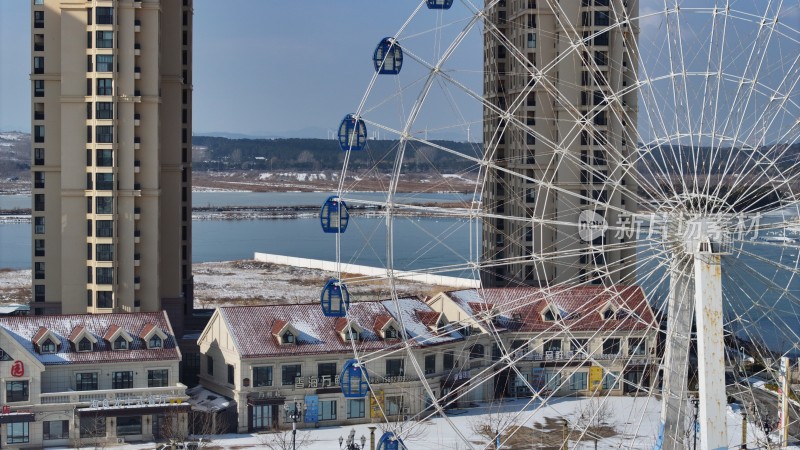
x,y
112,114
563,72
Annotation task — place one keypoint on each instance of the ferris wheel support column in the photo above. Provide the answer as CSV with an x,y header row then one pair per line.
x,y
710,346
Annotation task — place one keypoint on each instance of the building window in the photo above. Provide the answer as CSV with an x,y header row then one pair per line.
x,y
104,15
38,88
158,378
104,63
578,381
120,343
231,374
289,373
105,299
430,364
104,205
105,110
85,345
552,345
121,380
448,361
16,391
155,342
38,293
38,64
86,381
55,429
104,181
611,346
355,409
288,338
350,334
104,228
105,39
637,347
531,40
394,367
129,425
38,156
262,418
104,134
104,86
38,133
38,247
17,433
262,376
327,410
104,252
38,21
476,352
48,346
104,275
38,271
38,225
611,380
92,426
104,158
394,405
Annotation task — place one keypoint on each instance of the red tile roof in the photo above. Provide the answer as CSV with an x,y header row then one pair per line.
x,y
146,329
277,326
76,332
318,334
380,321
24,328
110,332
521,309
39,335
429,318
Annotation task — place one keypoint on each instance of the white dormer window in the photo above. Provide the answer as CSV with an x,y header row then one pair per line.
x,y
155,342
120,343
608,314
390,332
549,316
288,338
85,345
48,346
442,323
350,334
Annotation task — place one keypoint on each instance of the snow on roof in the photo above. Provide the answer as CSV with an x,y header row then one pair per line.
x,y
318,334
204,400
24,328
521,308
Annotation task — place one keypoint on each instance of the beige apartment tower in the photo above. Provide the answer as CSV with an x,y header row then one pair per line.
x,y
562,70
112,112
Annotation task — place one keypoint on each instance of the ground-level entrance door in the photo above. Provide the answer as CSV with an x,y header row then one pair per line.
x,y
263,417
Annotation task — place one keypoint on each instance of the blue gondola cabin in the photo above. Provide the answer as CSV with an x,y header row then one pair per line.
x,y
354,380
388,57
352,134
335,299
390,442
334,216
439,4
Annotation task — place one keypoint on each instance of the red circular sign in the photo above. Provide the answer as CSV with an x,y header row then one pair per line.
x,y
17,369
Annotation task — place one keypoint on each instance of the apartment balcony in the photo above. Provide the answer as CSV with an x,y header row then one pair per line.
x,y
136,119
137,141
149,396
136,166
137,234
137,213
137,25
137,49
137,283
137,260
137,72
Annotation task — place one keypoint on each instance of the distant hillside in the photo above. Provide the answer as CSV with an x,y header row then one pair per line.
x,y
15,155
219,153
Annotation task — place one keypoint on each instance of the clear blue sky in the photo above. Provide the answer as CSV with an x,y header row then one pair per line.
x,y
259,66
267,67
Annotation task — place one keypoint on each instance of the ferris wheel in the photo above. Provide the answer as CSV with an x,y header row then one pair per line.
x,y
615,183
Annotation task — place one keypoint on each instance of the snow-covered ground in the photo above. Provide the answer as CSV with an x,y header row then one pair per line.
x,y
636,421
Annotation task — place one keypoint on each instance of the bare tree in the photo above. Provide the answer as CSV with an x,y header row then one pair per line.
x,y
282,440
91,433
494,425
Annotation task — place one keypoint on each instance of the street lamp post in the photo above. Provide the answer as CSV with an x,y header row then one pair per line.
x,y
294,414
351,441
